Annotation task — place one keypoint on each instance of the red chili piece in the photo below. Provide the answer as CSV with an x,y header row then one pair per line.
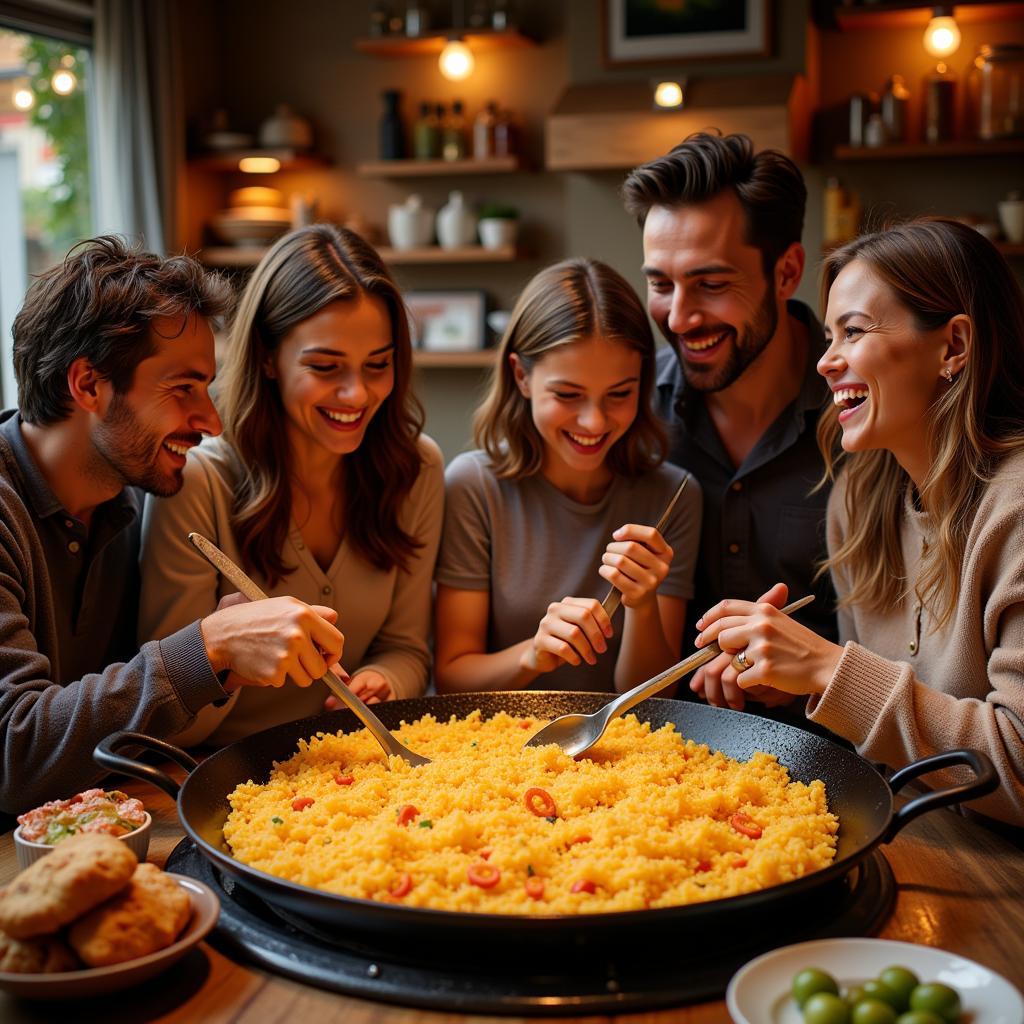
x,y
486,854
525,723
745,825
535,888
539,802
344,780
741,863
583,885
402,887
407,814
579,839
302,802
703,865
484,875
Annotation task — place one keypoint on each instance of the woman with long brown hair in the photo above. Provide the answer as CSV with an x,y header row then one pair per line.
x,y
560,499
322,486
926,519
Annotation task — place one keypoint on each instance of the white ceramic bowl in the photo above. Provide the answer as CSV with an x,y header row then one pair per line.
x,y
29,852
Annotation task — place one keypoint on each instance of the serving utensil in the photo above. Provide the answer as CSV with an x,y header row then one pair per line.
x,y
613,598
374,725
576,734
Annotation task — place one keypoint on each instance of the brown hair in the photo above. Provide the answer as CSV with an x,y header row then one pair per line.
x,y
937,269
303,272
768,184
99,305
563,304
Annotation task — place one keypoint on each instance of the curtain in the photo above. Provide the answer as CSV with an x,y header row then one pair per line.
x,y
138,121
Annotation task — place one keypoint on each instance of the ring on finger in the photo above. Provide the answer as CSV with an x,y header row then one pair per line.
x,y
741,663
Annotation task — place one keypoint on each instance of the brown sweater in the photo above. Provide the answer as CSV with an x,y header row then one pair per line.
x,y
911,692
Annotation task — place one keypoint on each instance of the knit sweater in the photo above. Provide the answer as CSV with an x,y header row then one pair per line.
x,y
904,690
384,615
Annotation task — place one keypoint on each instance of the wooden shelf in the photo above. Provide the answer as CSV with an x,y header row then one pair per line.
x,y
435,254
475,360
1010,250
924,150
436,168
913,14
232,255
228,160
434,42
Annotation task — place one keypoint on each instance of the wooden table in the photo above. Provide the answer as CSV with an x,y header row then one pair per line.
x,y
960,887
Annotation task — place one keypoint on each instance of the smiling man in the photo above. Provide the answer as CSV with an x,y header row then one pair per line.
x,y
737,384
114,358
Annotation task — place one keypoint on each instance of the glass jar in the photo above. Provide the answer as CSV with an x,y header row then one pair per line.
x,y
997,91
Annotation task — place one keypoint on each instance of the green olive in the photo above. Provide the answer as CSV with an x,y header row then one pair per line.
x,y
810,981
876,989
873,1011
826,1008
919,1017
854,994
902,981
938,998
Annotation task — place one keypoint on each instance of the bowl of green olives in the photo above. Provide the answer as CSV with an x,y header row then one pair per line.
x,y
870,981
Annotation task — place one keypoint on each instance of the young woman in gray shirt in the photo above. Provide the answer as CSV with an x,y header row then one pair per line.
x,y
559,501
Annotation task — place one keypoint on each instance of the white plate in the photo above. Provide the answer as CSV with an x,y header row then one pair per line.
x,y
94,981
759,991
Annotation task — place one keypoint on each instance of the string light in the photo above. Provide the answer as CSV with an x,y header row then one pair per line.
x,y
668,95
24,98
63,82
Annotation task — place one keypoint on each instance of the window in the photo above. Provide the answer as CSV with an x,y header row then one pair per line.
x,y
45,205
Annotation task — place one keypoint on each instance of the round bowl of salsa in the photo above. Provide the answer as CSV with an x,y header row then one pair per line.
x,y
94,810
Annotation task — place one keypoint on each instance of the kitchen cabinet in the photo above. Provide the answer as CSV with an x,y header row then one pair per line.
x,y
478,40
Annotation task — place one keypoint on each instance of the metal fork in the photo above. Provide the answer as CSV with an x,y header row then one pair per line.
x,y
376,728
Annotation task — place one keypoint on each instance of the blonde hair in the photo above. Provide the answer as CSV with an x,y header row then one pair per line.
x,y
937,269
302,273
563,304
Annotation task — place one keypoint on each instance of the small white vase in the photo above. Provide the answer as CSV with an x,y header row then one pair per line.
x,y
285,129
410,224
497,232
456,223
1011,216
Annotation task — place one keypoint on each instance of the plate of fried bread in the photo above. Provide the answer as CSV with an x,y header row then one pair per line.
x,y
88,918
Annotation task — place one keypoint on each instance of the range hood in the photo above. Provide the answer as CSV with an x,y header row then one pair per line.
x,y
612,125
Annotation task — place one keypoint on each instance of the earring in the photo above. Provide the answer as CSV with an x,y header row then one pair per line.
x,y
948,374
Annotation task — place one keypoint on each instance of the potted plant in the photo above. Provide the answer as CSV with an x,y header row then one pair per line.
x,y
499,225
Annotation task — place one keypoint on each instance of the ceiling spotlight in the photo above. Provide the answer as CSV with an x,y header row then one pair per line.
x,y
63,82
24,98
456,61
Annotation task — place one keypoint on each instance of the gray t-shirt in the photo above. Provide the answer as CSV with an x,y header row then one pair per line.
x,y
529,544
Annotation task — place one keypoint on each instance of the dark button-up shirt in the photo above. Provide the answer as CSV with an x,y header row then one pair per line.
x,y
762,523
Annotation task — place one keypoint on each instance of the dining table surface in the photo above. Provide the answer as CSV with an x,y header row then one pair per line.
x,y
960,888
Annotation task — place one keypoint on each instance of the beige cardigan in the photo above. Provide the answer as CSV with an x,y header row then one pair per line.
x,y
385,616
916,692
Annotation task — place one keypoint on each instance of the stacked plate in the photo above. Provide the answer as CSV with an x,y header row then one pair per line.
x,y
256,216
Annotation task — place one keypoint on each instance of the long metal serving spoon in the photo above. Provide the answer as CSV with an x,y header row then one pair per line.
x,y
374,725
576,734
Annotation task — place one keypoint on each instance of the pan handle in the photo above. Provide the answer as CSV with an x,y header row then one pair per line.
x,y
104,755
986,780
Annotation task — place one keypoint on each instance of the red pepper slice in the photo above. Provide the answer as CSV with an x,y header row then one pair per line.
x,y
525,723
302,802
407,814
741,863
344,780
402,887
703,865
583,885
535,888
484,875
539,802
579,839
745,825
485,854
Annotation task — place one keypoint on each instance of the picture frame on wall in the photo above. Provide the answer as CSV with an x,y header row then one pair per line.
x,y
447,321
648,31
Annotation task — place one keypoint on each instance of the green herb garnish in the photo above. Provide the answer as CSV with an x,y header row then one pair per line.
x,y
276,820
529,871
552,819
426,823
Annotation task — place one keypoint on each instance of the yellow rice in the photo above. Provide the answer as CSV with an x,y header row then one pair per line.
x,y
655,806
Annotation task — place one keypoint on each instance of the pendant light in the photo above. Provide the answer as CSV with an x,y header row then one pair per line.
x,y
456,61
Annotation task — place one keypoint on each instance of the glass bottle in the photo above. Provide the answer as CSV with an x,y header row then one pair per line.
x,y
895,97
504,134
1000,83
483,131
426,134
391,139
453,133
417,19
940,105
378,18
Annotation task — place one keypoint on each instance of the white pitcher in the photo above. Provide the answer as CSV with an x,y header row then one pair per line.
x,y
456,223
410,224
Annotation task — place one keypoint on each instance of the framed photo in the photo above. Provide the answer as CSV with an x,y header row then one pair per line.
x,y
643,31
447,321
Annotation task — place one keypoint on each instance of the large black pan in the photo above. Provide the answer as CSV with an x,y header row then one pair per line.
x,y
857,793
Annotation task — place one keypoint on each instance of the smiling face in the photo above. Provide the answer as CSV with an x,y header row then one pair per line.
x,y
706,289
335,370
583,398
147,430
884,371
